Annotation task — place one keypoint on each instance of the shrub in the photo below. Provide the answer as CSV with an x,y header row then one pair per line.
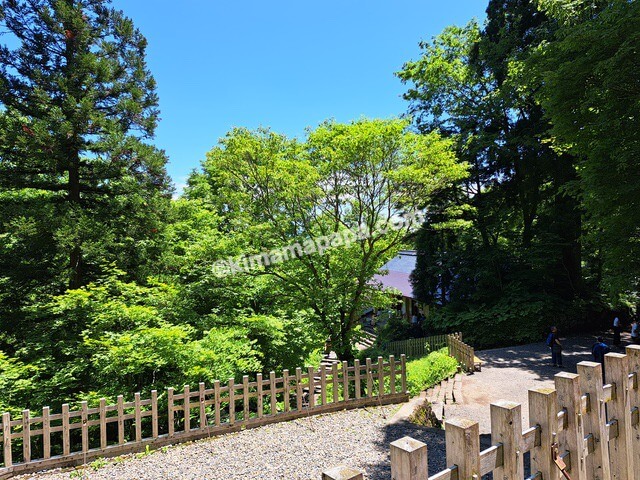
x,y
427,371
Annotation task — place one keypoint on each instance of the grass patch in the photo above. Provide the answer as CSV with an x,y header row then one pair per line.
x,y
425,372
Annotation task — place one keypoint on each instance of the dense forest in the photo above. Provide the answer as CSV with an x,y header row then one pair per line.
x,y
520,149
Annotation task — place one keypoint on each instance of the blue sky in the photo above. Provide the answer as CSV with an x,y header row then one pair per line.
x,y
286,65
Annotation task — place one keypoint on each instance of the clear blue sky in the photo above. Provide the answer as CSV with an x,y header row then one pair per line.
x,y
282,64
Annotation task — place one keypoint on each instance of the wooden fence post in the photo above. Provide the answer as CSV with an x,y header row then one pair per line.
x,y
380,377
342,473
138,417
285,387
356,372
120,407
594,420
312,387
633,354
506,430
369,378
6,439
216,402
170,412
46,433
66,444
463,447
299,389
619,408
403,372
232,401
84,419
26,436
409,459
260,393
203,408
345,380
543,411
334,381
392,374
154,413
186,408
245,398
568,388
273,397
103,422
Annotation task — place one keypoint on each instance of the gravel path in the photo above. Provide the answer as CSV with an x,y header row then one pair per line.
x,y
299,449
508,374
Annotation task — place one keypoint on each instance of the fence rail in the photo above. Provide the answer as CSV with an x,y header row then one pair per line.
x,y
71,437
419,347
593,428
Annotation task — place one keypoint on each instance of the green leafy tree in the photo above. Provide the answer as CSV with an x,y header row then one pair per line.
x,y
588,74
512,228
78,107
306,197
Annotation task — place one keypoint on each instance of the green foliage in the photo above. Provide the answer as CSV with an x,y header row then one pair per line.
x,y
274,192
425,372
588,73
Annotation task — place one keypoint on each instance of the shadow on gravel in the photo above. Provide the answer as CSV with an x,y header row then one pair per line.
x,y
435,440
536,357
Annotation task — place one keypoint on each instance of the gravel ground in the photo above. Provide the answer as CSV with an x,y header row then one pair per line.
x,y
299,449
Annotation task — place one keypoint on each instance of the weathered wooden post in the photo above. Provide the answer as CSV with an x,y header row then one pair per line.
x,y
617,370
342,473
569,398
633,354
543,411
463,447
6,439
594,420
506,430
409,460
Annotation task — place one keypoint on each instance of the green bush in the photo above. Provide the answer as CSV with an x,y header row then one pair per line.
x,y
427,371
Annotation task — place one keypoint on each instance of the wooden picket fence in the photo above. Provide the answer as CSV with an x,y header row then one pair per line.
x,y
594,429
73,437
463,353
419,347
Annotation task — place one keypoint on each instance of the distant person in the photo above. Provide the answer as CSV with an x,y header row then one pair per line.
x,y
635,332
553,341
599,350
617,329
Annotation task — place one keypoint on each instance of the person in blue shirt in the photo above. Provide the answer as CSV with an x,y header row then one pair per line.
x,y
599,350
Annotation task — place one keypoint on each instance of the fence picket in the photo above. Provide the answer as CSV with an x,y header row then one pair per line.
x,y
26,435
345,380
203,407
84,418
6,439
46,433
154,414
569,399
66,446
260,406
186,408
356,374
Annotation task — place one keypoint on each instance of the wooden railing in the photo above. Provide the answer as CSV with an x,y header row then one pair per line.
x,y
72,437
419,347
593,428
463,353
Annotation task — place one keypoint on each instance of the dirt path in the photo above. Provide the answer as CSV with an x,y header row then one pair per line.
x,y
508,374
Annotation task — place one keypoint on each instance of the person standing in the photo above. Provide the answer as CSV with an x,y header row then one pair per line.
x,y
617,329
599,350
553,341
635,332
